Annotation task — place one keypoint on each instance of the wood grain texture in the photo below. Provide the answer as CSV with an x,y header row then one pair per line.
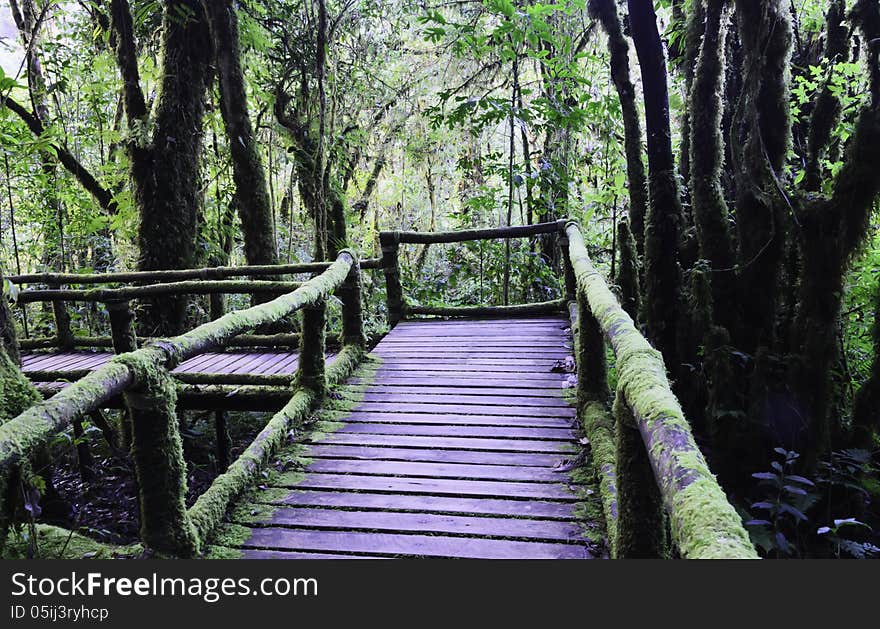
x,y
460,446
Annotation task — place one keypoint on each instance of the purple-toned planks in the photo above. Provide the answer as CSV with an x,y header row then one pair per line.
x,y
428,486
460,446
431,504
404,404
452,443
492,432
438,524
449,419
438,470
432,455
406,545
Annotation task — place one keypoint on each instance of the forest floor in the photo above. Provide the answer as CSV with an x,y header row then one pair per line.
x,y
106,509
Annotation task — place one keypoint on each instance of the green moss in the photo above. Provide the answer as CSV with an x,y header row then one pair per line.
x,y
17,394
57,543
675,461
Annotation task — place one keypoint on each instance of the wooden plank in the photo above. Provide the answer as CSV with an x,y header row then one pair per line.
x,y
434,504
411,545
449,419
452,443
430,397
385,388
460,371
281,359
252,362
438,470
418,379
197,363
432,455
430,486
287,366
253,553
493,432
226,365
335,519
467,409
473,364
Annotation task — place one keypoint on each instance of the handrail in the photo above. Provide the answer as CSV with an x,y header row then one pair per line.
x,y
390,242
205,273
142,376
207,287
703,523
518,231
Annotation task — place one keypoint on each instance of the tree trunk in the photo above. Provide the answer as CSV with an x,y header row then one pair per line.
x,y
165,169
707,160
663,224
252,195
606,12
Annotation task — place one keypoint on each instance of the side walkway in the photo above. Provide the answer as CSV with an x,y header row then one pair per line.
x,y
454,440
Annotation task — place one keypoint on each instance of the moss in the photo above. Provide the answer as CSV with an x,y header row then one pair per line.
x,y
598,425
17,394
675,460
211,506
641,525
231,535
209,509
57,543
157,451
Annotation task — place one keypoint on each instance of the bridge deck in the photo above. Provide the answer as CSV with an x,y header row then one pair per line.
x,y
266,362
459,445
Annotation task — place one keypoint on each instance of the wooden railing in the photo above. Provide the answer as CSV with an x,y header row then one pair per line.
x,y
650,470
55,288
142,377
398,308
648,463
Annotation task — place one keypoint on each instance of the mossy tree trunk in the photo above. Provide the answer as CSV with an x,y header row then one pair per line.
x,y
663,222
607,13
251,191
709,205
165,149
761,137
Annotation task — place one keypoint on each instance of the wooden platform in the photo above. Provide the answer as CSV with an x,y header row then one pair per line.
x,y
459,446
236,362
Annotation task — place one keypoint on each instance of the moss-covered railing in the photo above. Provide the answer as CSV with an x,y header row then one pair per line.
x,y
398,308
651,470
57,289
150,394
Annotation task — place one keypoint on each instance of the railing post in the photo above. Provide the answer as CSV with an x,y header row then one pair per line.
x,y
122,326
391,266
641,522
311,373
350,294
591,362
568,269
222,440
157,451
62,322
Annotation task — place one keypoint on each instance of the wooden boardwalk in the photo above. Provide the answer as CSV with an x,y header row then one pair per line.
x,y
458,445
232,363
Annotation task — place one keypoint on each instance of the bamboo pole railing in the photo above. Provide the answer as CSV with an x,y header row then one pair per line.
x,y
142,377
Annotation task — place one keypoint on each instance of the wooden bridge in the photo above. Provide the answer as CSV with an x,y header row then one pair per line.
x,y
461,436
